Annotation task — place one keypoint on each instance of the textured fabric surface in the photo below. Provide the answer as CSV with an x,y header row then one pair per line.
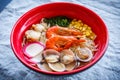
x,y
107,68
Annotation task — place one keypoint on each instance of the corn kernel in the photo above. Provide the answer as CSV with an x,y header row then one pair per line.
x,y
80,28
84,28
87,33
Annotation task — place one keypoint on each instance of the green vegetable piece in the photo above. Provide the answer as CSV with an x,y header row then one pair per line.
x,y
58,20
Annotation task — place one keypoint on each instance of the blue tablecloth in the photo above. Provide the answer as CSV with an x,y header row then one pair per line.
x,y
108,68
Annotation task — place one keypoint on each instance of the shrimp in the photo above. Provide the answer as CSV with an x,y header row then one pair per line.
x,y
55,30
60,43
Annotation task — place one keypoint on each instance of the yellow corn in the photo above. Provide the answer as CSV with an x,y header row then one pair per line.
x,y
84,28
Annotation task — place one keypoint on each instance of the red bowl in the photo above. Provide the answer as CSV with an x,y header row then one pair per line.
x,y
54,9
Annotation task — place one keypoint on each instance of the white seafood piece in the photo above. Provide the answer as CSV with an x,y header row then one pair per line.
x,y
51,55
32,35
44,67
34,60
32,50
67,56
52,58
84,54
58,66
71,66
43,37
44,24
38,27
38,58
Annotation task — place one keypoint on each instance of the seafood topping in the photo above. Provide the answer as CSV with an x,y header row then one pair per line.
x,y
56,30
67,56
51,55
44,67
59,67
71,66
32,36
33,49
59,44
84,54
38,27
